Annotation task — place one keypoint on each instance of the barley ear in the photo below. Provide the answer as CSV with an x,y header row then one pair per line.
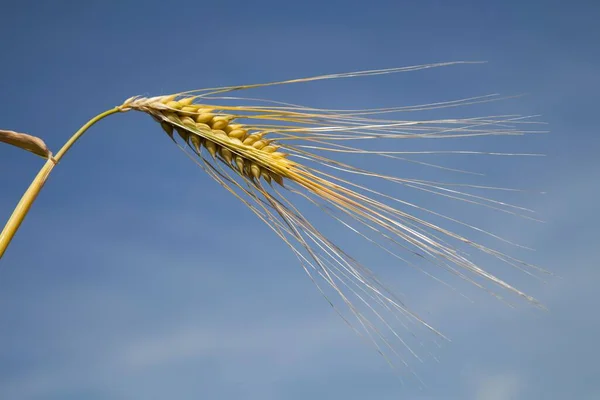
x,y
26,142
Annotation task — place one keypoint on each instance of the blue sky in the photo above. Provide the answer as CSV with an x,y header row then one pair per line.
x,y
135,276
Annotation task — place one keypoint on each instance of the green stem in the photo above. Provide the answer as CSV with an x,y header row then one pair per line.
x,y
36,186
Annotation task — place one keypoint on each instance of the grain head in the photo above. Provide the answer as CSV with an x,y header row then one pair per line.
x,y
272,155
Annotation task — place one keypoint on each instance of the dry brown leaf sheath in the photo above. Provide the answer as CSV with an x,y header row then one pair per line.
x,y
26,142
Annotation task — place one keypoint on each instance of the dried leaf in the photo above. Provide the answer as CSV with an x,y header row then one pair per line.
x,y
26,142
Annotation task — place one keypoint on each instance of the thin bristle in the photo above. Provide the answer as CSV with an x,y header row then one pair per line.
x,y
250,147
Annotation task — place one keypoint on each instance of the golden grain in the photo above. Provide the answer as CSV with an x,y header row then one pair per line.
x,y
244,155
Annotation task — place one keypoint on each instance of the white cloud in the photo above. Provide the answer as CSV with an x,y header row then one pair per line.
x,y
264,340
505,386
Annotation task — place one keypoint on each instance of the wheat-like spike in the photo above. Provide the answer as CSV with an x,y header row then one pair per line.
x,y
247,148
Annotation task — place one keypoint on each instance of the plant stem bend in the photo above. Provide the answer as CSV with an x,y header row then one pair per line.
x,y
36,186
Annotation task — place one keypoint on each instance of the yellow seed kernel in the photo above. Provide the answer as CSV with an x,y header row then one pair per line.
x,y
185,135
232,127
237,133
189,110
174,104
186,101
168,98
239,161
172,117
278,154
270,148
187,121
255,170
202,127
204,118
211,147
236,141
197,142
226,154
167,127
220,122
259,144
220,133
249,141
265,175
277,178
